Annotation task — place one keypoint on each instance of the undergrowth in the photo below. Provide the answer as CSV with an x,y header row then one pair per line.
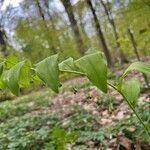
x,y
79,129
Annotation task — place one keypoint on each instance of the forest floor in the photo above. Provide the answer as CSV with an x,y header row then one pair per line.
x,y
103,121
107,107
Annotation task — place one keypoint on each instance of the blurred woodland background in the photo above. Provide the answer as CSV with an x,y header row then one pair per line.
x,y
39,28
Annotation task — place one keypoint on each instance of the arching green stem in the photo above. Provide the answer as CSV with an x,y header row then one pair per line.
x,y
76,72
132,108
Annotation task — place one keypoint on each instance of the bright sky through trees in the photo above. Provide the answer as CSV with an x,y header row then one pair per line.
x,y
15,3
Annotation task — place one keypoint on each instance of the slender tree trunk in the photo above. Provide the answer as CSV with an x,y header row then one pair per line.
x,y
50,40
69,11
3,38
46,3
137,54
122,56
100,34
81,24
134,44
3,44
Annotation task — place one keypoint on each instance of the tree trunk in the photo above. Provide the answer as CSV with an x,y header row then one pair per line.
x,y
46,3
69,11
134,44
122,56
100,34
3,45
137,54
50,40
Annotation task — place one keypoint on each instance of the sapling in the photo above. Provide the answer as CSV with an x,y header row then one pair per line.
x,y
93,66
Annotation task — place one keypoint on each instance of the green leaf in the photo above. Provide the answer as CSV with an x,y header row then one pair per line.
x,y
67,64
36,78
24,74
131,90
2,83
140,66
1,68
58,133
95,67
92,50
48,72
12,77
11,61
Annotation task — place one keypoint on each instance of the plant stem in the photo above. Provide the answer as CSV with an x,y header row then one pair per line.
x,y
76,72
131,107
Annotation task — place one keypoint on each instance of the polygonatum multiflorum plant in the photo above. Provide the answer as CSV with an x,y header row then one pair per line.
x,y
93,65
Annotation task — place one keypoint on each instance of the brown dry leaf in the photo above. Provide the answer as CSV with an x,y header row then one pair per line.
x,y
125,142
138,145
131,129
